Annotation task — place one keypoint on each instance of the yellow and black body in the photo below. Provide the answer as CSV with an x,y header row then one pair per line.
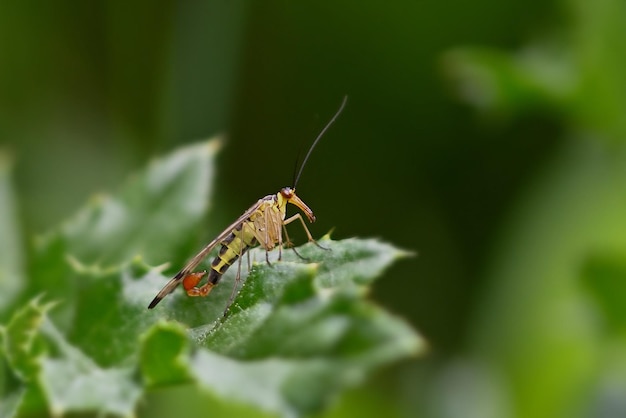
x,y
263,223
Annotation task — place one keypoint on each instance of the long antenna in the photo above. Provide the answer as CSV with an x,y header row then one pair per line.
x,y
321,134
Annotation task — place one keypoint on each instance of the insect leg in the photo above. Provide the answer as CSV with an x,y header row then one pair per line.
x,y
266,243
279,233
236,285
292,246
308,234
275,230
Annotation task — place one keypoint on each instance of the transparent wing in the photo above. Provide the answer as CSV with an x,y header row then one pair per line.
x,y
197,259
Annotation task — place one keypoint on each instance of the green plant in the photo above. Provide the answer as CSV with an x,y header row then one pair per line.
x,y
78,337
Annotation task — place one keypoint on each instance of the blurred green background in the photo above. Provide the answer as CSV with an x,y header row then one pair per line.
x,y
487,136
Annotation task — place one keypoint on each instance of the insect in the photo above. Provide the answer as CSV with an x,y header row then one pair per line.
x,y
263,223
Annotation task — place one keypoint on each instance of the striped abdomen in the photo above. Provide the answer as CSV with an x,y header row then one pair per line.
x,y
234,246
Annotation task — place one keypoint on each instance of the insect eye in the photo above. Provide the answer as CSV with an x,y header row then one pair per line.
x,y
287,192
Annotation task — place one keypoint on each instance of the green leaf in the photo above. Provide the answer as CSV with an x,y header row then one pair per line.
x,y
21,343
157,214
354,263
55,372
74,383
166,200
109,307
305,326
604,277
297,332
165,353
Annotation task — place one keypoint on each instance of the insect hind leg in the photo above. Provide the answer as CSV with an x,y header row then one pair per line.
x,y
233,293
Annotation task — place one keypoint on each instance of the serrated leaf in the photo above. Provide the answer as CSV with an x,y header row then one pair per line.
x,y
316,335
55,372
156,215
285,387
110,308
297,333
165,352
167,199
71,388
57,267
351,262
255,305
303,330
21,343
73,382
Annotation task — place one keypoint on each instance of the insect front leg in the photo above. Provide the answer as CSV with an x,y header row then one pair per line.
x,y
308,234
